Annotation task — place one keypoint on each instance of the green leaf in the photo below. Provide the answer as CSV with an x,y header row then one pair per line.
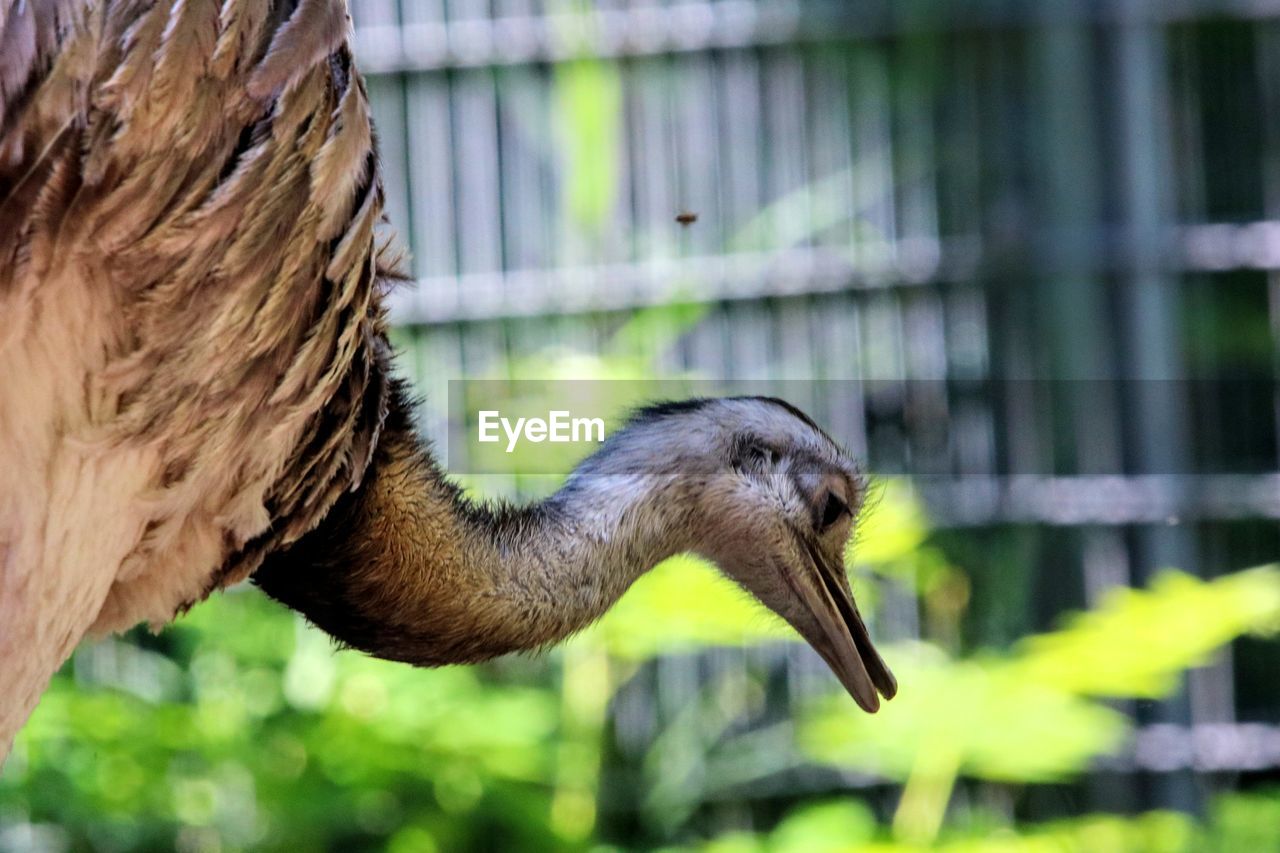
x,y
681,605
1026,716
1137,642
893,526
998,725
589,99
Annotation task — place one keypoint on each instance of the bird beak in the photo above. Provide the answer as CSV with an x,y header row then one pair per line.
x,y
842,638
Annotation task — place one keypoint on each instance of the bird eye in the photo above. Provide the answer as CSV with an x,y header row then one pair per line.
x,y
833,511
754,456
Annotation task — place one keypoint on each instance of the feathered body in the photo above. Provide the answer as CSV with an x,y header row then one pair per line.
x,y
192,353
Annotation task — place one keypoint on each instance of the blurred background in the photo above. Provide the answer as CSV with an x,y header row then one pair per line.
x,y
1021,257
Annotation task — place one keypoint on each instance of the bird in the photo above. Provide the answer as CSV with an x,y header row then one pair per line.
x,y
196,384
406,568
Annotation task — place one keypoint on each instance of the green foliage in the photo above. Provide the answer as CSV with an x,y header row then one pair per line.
x,y
589,100
1025,716
997,725
892,542
587,114
681,606
1138,642
1243,822
825,827
265,738
1237,822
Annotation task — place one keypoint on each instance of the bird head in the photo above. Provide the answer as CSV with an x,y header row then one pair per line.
x,y
773,502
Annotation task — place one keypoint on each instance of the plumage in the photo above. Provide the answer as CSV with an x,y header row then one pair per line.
x,y
316,28
195,379
184,310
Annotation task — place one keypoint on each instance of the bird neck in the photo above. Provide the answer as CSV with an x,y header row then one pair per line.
x,y
406,568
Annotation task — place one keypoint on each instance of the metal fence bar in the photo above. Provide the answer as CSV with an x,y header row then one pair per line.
x,y
430,43
1210,248
1156,499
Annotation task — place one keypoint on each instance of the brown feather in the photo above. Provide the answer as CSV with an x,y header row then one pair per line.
x,y
240,26
314,30
178,76
127,86
344,161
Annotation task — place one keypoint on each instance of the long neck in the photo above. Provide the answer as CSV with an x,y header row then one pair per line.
x,y
407,569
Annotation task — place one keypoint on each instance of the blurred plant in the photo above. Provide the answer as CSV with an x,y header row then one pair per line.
x,y
845,827
1236,822
262,737
587,102
1026,716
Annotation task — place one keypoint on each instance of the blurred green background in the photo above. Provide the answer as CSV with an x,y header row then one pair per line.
x,y
1020,257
